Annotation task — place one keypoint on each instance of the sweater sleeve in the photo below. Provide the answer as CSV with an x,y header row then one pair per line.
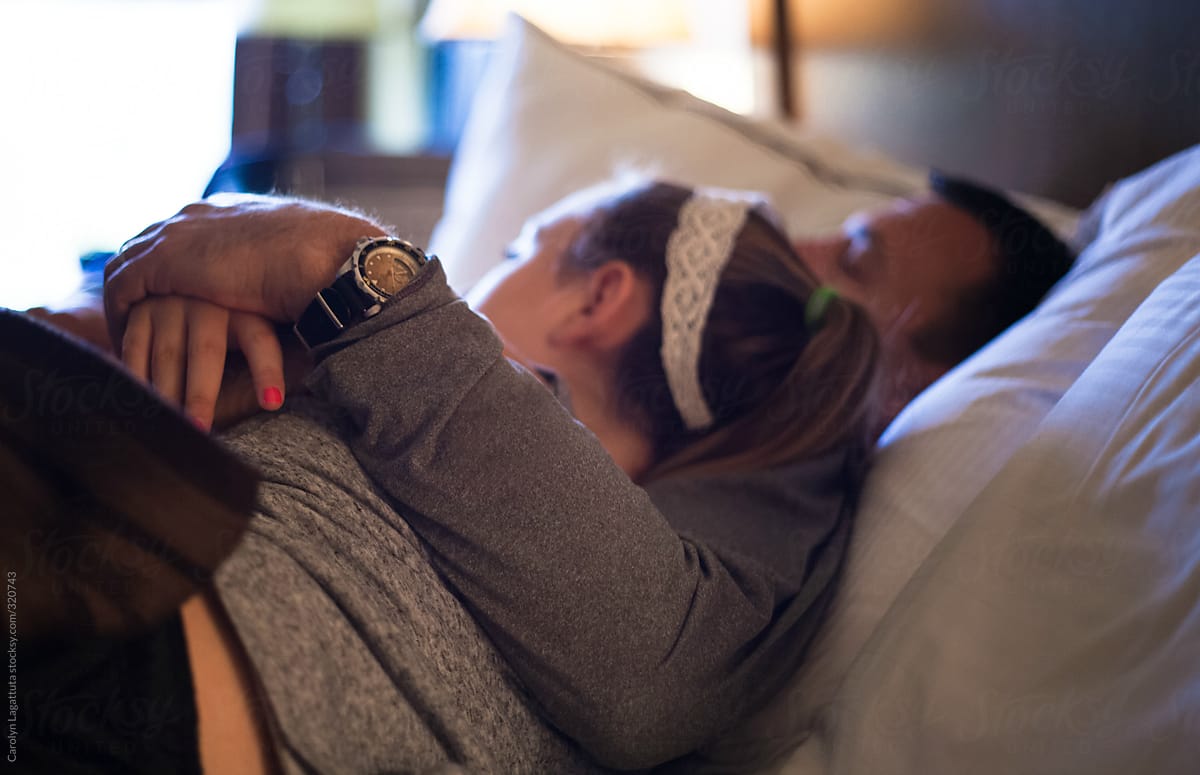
x,y
638,638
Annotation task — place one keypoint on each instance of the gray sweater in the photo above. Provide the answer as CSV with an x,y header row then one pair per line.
x,y
446,567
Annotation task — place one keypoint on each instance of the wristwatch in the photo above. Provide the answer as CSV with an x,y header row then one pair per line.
x,y
375,272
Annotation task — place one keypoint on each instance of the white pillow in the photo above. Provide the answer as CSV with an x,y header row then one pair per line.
x,y
1056,628
547,121
946,446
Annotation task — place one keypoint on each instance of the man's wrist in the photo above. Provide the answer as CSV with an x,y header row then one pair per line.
x,y
343,230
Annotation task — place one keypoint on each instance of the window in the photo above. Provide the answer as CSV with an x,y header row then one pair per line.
x,y
116,112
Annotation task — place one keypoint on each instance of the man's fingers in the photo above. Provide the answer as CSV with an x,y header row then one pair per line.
x,y
134,348
134,242
168,348
207,331
124,285
129,278
196,208
256,337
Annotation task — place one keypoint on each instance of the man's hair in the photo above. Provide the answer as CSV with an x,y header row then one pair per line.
x,y
1030,259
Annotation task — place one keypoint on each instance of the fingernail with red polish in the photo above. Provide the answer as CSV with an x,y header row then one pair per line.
x,y
201,424
272,398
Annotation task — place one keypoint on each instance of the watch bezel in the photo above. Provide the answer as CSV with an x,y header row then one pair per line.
x,y
413,256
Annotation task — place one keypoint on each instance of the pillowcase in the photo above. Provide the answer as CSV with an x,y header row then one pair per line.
x,y
547,121
1056,627
948,445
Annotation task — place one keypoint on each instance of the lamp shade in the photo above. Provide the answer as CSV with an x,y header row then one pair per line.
x,y
608,24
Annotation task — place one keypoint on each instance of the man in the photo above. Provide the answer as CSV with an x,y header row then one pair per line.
x,y
942,274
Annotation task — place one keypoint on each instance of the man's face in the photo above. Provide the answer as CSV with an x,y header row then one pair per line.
x,y
906,263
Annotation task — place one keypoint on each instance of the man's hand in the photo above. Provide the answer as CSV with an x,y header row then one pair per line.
x,y
257,254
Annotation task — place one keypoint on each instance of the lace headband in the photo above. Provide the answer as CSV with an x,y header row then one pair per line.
x,y
697,252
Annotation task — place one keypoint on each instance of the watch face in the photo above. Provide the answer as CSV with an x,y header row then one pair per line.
x,y
387,269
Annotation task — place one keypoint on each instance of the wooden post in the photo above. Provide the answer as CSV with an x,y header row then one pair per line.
x,y
783,60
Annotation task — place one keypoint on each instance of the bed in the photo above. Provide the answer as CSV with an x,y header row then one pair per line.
x,y
1023,589
1022,592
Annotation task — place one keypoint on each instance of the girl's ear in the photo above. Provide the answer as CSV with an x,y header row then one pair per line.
x,y
613,303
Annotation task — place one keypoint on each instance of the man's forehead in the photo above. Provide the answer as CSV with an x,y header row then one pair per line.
x,y
912,205
923,213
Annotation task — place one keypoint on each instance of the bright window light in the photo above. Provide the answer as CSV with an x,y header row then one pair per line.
x,y
116,113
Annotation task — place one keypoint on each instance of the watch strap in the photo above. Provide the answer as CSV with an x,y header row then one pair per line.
x,y
320,322
354,298
334,308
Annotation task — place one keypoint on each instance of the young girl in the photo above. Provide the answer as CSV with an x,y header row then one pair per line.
x,y
449,562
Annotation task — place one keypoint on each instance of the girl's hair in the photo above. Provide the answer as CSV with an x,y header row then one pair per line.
x,y
777,392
